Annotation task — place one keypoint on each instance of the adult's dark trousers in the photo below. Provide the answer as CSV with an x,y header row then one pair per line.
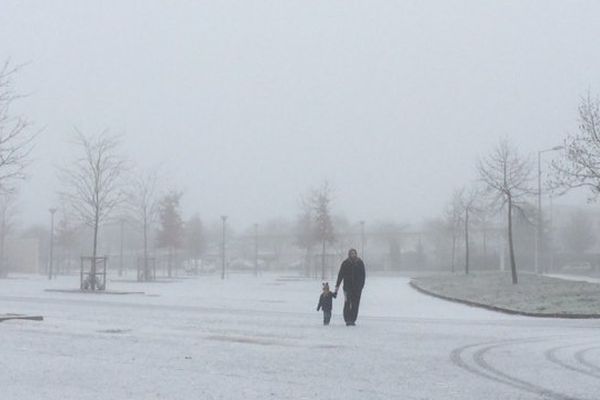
x,y
326,317
351,304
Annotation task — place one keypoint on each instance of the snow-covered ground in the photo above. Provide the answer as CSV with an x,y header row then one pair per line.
x,y
534,294
247,338
571,277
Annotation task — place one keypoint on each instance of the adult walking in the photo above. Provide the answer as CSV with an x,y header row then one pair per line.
x,y
352,273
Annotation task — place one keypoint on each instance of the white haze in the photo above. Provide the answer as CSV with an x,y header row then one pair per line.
x,y
247,104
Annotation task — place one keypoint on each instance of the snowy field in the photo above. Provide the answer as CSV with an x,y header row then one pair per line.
x,y
247,338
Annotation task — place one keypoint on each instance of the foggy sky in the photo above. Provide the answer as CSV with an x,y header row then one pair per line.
x,y
247,104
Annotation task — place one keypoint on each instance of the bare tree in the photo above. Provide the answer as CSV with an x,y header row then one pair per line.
x,y
143,204
7,213
453,218
507,176
469,199
16,136
580,166
321,202
94,184
170,233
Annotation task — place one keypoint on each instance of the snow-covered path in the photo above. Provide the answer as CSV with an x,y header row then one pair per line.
x,y
247,338
570,277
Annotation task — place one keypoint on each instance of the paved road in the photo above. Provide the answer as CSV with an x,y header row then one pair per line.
x,y
257,339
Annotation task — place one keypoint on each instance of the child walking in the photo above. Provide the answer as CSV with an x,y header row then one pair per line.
x,y
326,303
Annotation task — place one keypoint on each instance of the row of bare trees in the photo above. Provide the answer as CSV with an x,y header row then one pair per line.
x,y
100,185
505,182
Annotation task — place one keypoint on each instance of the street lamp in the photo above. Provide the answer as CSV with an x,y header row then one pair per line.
x,y
538,231
223,219
52,212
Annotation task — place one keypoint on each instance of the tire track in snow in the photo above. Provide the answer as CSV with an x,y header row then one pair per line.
x,y
457,358
479,366
580,357
551,355
479,358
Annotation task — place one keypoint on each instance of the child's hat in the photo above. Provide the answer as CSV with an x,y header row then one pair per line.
x,y
325,285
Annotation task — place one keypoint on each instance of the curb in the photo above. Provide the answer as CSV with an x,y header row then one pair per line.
x,y
501,309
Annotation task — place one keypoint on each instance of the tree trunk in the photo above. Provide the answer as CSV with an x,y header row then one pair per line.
x,y
467,241
146,270
511,248
94,252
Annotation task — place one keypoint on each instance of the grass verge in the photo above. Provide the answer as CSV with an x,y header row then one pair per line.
x,y
534,295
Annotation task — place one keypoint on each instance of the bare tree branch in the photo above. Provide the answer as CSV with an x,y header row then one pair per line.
x,y
16,134
580,165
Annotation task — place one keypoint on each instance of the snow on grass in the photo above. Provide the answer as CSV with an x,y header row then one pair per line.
x,y
533,294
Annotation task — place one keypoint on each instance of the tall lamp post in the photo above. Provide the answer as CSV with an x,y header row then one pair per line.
x,y
223,219
540,221
50,264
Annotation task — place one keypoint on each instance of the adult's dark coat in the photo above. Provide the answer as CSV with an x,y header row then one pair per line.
x,y
352,273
